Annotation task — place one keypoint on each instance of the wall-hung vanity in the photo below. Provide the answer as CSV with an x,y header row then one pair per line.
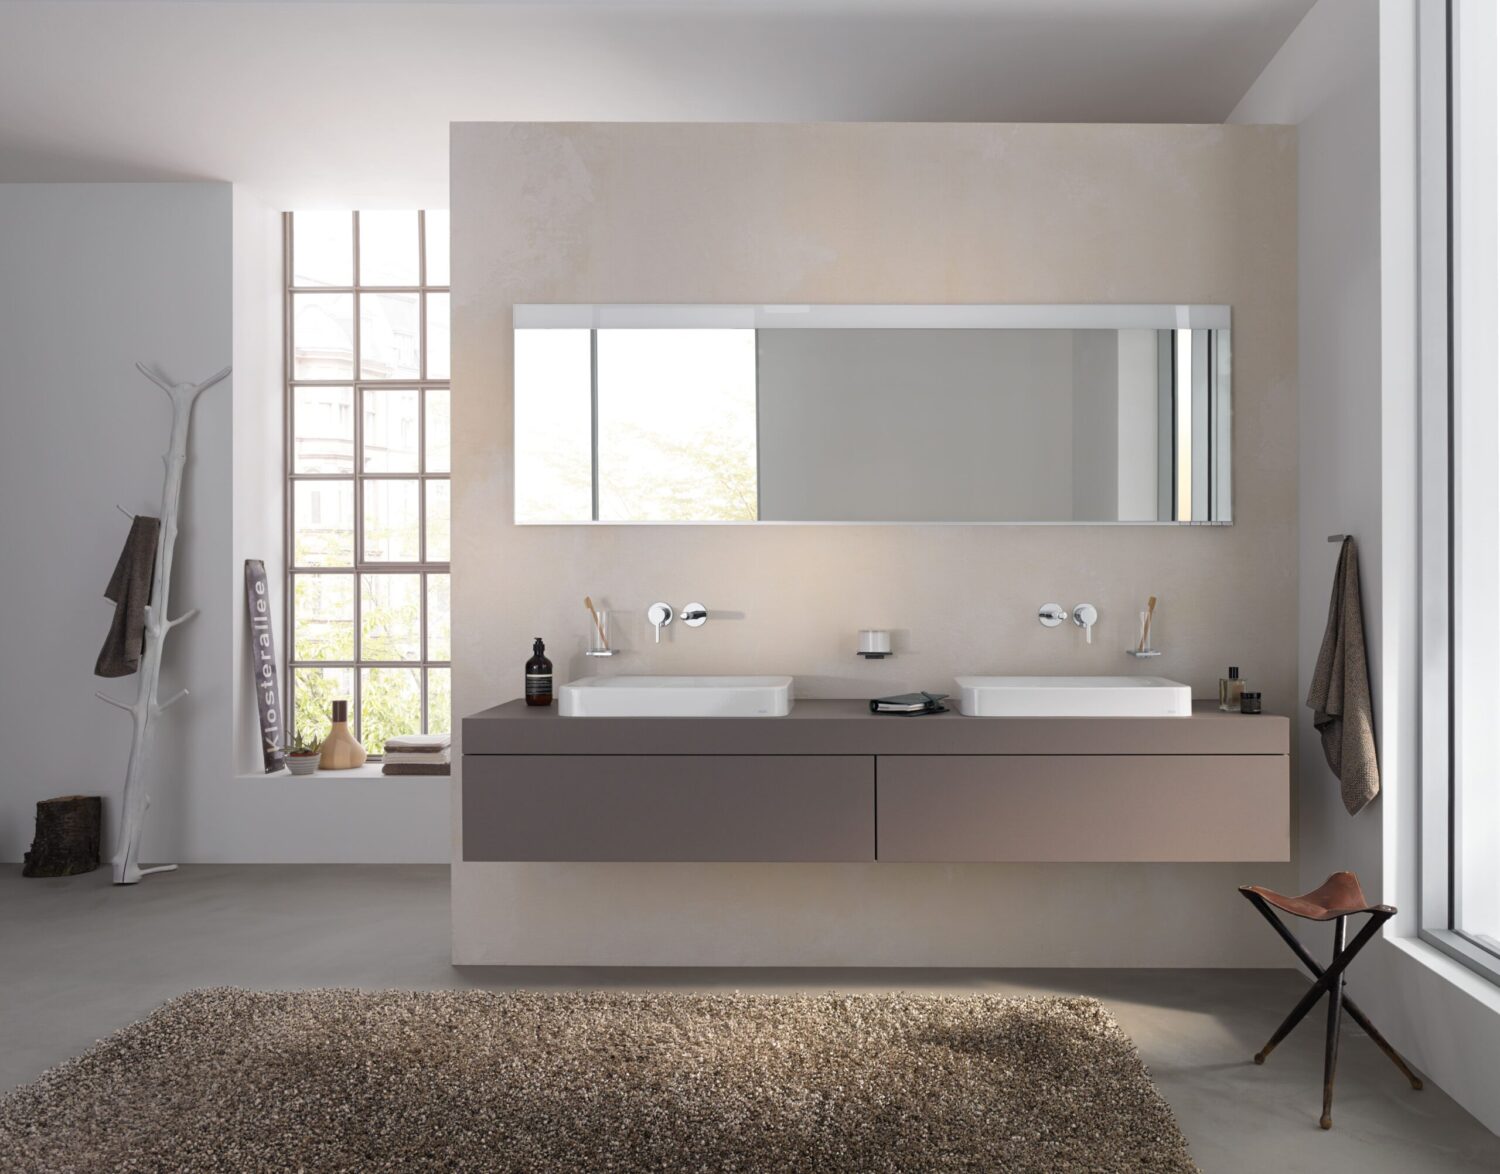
x,y
830,781
866,413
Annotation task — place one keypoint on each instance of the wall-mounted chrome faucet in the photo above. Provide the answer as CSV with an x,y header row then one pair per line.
x,y
1085,615
659,615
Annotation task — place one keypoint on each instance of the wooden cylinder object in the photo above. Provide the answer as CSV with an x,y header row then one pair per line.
x,y
67,836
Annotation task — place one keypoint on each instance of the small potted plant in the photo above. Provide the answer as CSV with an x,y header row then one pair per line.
x,y
302,756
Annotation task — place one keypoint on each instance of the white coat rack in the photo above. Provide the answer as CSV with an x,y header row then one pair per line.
x,y
147,707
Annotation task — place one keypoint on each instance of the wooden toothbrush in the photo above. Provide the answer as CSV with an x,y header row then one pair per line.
x,y
588,602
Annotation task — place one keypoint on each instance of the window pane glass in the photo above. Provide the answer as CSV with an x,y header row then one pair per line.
x,y
439,618
437,247
388,248
316,691
437,336
323,430
439,701
324,606
677,422
388,343
438,428
553,457
391,429
390,618
322,336
391,523
322,248
438,524
390,704
323,524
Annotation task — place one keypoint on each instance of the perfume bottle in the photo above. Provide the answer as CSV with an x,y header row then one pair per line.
x,y
341,749
1230,690
538,675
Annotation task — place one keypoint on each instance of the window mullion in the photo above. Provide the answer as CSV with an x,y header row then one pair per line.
x,y
361,569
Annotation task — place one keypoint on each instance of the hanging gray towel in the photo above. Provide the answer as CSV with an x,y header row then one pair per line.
x,y
1340,693
130,591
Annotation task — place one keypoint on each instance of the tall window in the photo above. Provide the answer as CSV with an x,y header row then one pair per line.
x,y
1461,508
368,468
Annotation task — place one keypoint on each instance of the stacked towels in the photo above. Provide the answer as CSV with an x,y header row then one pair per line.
x,y
417,754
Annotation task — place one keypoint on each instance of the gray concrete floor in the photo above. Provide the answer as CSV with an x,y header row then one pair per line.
x,y
80,958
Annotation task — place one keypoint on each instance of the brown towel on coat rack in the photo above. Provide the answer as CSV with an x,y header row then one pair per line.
x,y
1340,693
130,591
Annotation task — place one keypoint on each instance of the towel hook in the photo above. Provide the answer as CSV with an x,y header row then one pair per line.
x,y
1337,537
124,511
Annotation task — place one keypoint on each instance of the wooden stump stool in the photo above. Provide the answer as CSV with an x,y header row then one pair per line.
x,y
67,836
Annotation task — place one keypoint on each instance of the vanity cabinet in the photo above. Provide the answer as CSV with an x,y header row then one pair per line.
x,y
1117,807
669,807
832,782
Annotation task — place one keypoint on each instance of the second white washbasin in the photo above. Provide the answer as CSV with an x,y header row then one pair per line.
x,y
1074,697
676,697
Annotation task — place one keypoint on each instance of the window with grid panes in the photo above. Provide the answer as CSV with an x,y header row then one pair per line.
x,y
368,471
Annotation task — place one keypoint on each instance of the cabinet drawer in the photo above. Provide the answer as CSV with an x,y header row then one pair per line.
x,y
1083,807
668,807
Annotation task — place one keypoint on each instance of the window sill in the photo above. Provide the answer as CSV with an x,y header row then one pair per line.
x,y
1466,953
1450,969
370,770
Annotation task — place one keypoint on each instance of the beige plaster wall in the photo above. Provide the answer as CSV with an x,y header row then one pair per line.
x,y
869,212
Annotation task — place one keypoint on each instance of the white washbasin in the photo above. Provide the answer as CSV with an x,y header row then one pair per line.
x,y
676,697
1074,697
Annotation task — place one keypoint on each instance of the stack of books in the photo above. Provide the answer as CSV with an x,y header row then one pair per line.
x,y
417,754
910,703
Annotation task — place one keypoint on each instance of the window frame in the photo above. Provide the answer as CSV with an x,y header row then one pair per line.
x,y
423,567
1444,310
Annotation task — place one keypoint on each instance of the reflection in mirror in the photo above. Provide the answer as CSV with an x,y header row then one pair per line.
x,y
978,414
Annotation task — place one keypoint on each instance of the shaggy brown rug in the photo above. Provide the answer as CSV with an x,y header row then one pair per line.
x,y
335,1080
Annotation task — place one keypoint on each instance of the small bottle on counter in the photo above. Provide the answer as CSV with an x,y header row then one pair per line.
x,y
1249,702
538,675
1230,689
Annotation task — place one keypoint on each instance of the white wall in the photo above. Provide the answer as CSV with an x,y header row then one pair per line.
x,y
1346,78
96,277
186,276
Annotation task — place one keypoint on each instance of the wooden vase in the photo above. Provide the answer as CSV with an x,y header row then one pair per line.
x,y
341,749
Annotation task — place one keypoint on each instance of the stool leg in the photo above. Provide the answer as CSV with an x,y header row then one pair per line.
x,y
1350,1007
1331,1045
1324,984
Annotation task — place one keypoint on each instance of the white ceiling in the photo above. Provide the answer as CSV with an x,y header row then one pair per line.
x,y
340,102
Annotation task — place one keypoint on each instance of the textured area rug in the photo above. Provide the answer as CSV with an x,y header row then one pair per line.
x,y
230,1080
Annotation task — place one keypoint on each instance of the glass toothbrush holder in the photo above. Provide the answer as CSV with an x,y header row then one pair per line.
x,y
1143,648
599,635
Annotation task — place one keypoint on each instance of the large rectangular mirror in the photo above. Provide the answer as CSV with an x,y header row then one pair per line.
x,y
977,414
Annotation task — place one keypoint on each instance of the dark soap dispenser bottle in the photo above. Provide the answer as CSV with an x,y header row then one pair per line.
x,y
538,675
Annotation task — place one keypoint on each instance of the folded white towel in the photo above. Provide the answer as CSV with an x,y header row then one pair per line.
x,y
419,742
418,758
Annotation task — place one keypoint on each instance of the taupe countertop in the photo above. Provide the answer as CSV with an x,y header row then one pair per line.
x,y
817,726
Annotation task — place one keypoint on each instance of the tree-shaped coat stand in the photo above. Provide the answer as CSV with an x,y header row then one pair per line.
x,y
146,707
